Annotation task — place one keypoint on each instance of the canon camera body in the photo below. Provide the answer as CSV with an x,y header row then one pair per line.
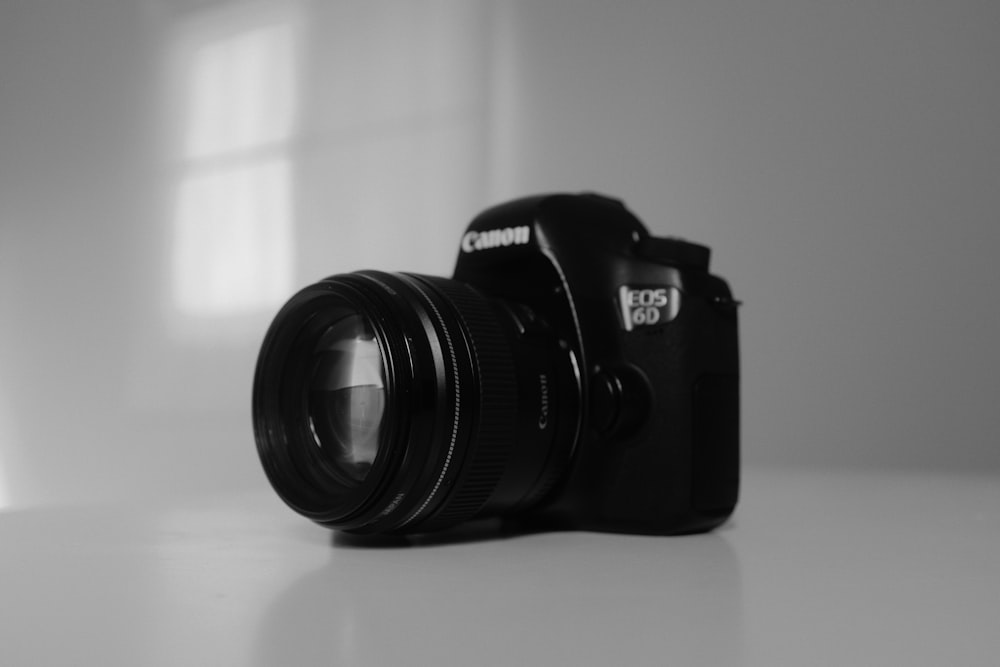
x,y
576,372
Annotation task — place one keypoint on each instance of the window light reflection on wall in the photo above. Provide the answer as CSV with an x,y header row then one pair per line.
x,y
233,216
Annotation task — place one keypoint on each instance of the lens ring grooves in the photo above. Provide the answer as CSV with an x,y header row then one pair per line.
x,y
453,364
497,402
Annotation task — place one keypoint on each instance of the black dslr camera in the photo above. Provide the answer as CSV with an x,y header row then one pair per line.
x,y
576,373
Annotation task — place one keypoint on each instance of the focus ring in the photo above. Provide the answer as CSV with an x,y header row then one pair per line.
x,y
493,434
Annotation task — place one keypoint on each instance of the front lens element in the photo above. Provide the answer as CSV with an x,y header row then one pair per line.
x,y
347,399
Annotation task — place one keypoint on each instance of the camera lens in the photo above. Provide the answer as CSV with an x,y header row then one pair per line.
x,y
391,402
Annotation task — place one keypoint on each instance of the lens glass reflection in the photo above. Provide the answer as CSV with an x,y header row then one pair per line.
x,y
347,399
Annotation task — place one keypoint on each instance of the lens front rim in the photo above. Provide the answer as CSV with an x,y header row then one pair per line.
x,y
280,406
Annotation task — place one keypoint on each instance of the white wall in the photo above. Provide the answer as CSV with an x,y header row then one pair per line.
x,y
137,138
842,160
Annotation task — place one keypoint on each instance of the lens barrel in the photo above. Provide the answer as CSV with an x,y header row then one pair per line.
x,y
401,403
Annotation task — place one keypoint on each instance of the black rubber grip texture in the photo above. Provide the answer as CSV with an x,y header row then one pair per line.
x,y
495,411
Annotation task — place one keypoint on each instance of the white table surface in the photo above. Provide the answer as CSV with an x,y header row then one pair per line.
x,y
816,568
